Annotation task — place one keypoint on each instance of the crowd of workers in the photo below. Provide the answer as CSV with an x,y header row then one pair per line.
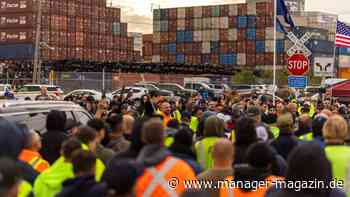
x,y
137,148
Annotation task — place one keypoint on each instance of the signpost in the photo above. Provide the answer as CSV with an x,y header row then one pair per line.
x,y
297,81
298,64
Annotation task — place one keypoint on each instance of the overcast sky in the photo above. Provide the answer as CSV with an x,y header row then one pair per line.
x,y
138,13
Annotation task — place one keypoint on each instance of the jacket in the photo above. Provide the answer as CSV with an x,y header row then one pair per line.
x,y
81,186
105,154
51,145
284,144
118,144
34,159
187,155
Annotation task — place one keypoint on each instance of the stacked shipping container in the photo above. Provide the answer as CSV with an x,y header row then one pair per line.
x,y
74,29
147,46
235,34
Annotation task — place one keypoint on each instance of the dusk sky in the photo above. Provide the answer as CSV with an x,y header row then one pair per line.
x,y
138,13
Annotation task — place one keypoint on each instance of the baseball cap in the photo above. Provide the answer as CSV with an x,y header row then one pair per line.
x,y
253,111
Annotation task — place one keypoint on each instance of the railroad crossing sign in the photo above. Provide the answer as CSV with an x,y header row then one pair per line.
x,y
298,64
299,44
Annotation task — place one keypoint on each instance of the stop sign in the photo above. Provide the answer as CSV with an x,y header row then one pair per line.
x,y
298,64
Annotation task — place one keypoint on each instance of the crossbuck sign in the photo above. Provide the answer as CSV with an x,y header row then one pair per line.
x,y
299,44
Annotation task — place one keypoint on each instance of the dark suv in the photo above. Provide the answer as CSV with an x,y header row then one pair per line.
x,y
177,89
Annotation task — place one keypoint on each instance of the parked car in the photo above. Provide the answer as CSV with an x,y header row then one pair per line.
x,y
177,89
33,113
243,89
200,86
32,91
151,87
136,92
5,88
84,92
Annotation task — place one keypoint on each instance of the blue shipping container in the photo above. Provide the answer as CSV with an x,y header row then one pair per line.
x,y
180,36
180,58
251,34
251,21
260,46
280,46
228,59
343,51
188,36
214,47
172,48
321,46
16,51
242,21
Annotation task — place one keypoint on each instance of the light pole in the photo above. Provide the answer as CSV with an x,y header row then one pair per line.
x,y
37,66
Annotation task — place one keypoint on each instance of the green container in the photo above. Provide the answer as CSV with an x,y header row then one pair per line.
x,y
215,11
156,14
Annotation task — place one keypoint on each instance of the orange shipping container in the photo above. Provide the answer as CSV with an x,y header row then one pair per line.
x,y
189,13
172,37
172,13
180,48
241,47
241,34
214,59
242,9
250,60
223,35
16,21
16,6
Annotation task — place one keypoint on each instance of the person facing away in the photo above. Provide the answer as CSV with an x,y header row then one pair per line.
x,y
83,183
335,132
105,154
10,178
213,130
223,156
117,143
49,183
54,137
317,168
161,167
30,154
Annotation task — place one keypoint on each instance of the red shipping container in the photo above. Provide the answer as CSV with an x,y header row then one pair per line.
x,y
172,25
214,59
16,6
224,10
188,48
206,11
163,58
196,59
180,47
189,24
197,48
251,60
172,14
163,37
232,47
18,21
163,49
172,59
172,37
223,35
189,12
260,59
232,22
224,47
241,46
262,8
281,59
269,21
250,47
242,9
156,49
260,34
268,58
261,21
241,34
188,59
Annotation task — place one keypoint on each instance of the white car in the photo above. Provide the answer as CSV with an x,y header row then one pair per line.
x,y
31,91
5,88
137,92
84,92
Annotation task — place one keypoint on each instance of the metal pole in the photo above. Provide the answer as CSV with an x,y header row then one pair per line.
x,y
103,79
36,73
7,76
334,50
274,53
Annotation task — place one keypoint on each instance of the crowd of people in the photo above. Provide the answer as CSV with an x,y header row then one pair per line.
x,y
136,148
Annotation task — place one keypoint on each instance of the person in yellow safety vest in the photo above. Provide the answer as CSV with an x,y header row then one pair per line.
x,y
49,183
30,154
196,117
335,131
213,130
175,113
317,169
304,130
308,109
170,131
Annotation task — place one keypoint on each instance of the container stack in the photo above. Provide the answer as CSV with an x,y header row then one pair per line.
x,y
73,29
233,35
147,40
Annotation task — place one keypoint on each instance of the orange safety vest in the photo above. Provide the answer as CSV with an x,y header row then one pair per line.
x,y
259,192
34,159
155,180
166,118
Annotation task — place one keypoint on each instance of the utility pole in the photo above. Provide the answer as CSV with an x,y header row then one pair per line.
x,y
37,66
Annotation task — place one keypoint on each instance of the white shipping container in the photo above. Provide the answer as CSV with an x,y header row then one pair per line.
x,y
156,37
287,45
233,10
181,13
223,22
232,34
197,36
181,24
197,12
251,8
269,33
206,23
206,35
197,24
156,26
215,23
205,47
215,35
241,59
155,58
269,46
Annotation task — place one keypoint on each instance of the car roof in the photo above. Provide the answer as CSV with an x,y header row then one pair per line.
x,y
85,90
40,85
13,106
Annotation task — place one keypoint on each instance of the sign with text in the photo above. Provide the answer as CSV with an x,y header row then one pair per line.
x,y
298,64
299,82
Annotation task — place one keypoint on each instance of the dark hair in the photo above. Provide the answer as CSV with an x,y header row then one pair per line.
x,y
86,134
245,131
115,122
184,137
260,155
69,146
56,121
83,161
317,126
10,175
97,124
